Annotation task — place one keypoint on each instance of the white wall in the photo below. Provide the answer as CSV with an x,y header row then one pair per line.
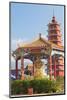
x,y
57,52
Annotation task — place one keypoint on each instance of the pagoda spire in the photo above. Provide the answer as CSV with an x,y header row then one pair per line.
x,y
53,12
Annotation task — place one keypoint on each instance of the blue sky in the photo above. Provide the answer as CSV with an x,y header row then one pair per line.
x,y
28,20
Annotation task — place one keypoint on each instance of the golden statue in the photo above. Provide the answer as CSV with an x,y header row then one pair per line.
x,y
38,68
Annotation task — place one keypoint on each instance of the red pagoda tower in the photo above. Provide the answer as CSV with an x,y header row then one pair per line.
x,y
54,33
55,36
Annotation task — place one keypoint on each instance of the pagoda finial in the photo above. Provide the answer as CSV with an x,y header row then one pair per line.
x,y
53,18
53,12
39,35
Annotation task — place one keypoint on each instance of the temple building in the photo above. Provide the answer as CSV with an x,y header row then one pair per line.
x,y
51,50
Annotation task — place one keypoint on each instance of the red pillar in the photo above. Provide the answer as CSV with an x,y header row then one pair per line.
x,y
22,68
16,69
50,67
54,67
33,65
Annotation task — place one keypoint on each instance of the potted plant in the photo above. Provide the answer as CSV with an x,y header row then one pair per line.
x,y
30,90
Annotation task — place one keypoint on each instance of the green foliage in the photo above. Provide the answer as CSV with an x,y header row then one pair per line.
x,y
38,85
60,84
16,87
19,87
60,79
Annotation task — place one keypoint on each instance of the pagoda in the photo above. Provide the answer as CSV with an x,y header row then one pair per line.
x,y
55,36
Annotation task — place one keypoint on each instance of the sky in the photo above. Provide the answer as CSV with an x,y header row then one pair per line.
x,y
28,20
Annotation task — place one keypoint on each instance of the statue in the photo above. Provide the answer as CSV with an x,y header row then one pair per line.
x,y
38,68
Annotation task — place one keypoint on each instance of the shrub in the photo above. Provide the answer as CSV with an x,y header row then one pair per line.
x,y
60,83
16,87
38,85
19,86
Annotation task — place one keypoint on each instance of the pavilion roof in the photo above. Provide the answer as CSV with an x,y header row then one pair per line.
x,y
40,42
36,45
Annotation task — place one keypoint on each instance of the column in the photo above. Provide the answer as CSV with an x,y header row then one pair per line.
x,y
16,68
33,65
22,68
33,68
54,67
50,67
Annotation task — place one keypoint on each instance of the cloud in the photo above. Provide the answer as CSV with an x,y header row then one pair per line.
x,y
44,36
16,43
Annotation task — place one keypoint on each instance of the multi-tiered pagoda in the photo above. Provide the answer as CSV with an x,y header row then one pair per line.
x,y
55,36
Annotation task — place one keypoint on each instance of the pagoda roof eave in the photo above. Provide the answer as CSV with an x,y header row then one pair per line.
x,y
58,49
